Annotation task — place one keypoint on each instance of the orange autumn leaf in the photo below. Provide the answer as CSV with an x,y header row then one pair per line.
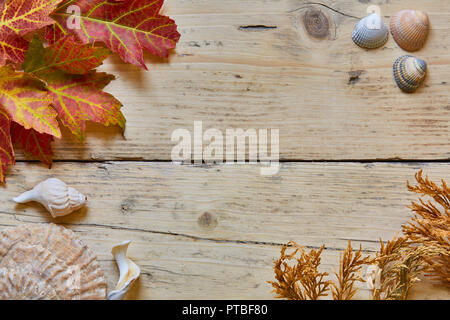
x,y
20,17
26,101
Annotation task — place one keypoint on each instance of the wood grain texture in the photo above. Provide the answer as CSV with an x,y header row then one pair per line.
x,y
213,232
254,64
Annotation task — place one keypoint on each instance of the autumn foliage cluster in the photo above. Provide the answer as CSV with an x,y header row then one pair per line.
x,y
48,59
423,249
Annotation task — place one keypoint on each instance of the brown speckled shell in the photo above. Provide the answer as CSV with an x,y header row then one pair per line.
x,y
46,261
409,28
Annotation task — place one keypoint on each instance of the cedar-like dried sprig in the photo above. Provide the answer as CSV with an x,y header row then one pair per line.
x,y
297,275
350,265
431,225
405,272
424,249
385,257
401,261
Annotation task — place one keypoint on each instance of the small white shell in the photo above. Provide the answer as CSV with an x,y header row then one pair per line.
x,y
370,32
373,277
55,196
129,271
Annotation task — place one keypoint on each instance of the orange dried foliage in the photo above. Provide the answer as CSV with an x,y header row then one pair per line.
x,y
431,225
424,249
297,275
350,267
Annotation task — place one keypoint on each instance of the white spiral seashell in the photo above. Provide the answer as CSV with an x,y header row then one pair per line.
x,y
129,271
370,32
58,198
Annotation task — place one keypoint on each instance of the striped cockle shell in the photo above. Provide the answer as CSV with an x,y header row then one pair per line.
x,y
48,262
58,198
409,73
409,29
370,32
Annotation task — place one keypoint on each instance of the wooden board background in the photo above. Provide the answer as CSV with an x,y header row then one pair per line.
x,y
349,140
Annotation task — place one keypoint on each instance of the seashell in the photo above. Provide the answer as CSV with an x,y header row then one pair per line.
x,y
129,271
373,277
409,29
409,73
55,196
370,32
46,261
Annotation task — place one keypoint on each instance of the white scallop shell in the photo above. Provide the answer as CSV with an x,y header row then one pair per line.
x,y
55,196
370,32
46,261
129,271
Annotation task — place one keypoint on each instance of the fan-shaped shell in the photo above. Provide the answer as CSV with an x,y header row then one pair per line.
x,y
409,73
46,261
370,32
409,29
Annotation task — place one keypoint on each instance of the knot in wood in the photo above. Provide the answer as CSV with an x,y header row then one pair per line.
x,y
316,24
207,221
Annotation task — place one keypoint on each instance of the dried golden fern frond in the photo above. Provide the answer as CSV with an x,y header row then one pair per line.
x,y
297,275
350,265
431,225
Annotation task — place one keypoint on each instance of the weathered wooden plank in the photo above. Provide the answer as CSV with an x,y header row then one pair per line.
x,y
213,232
329,98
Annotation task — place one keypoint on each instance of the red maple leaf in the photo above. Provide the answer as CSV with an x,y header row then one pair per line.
x,y
79,99
33,143
76,98
59,80
70,56
6,149
126,27
20,17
